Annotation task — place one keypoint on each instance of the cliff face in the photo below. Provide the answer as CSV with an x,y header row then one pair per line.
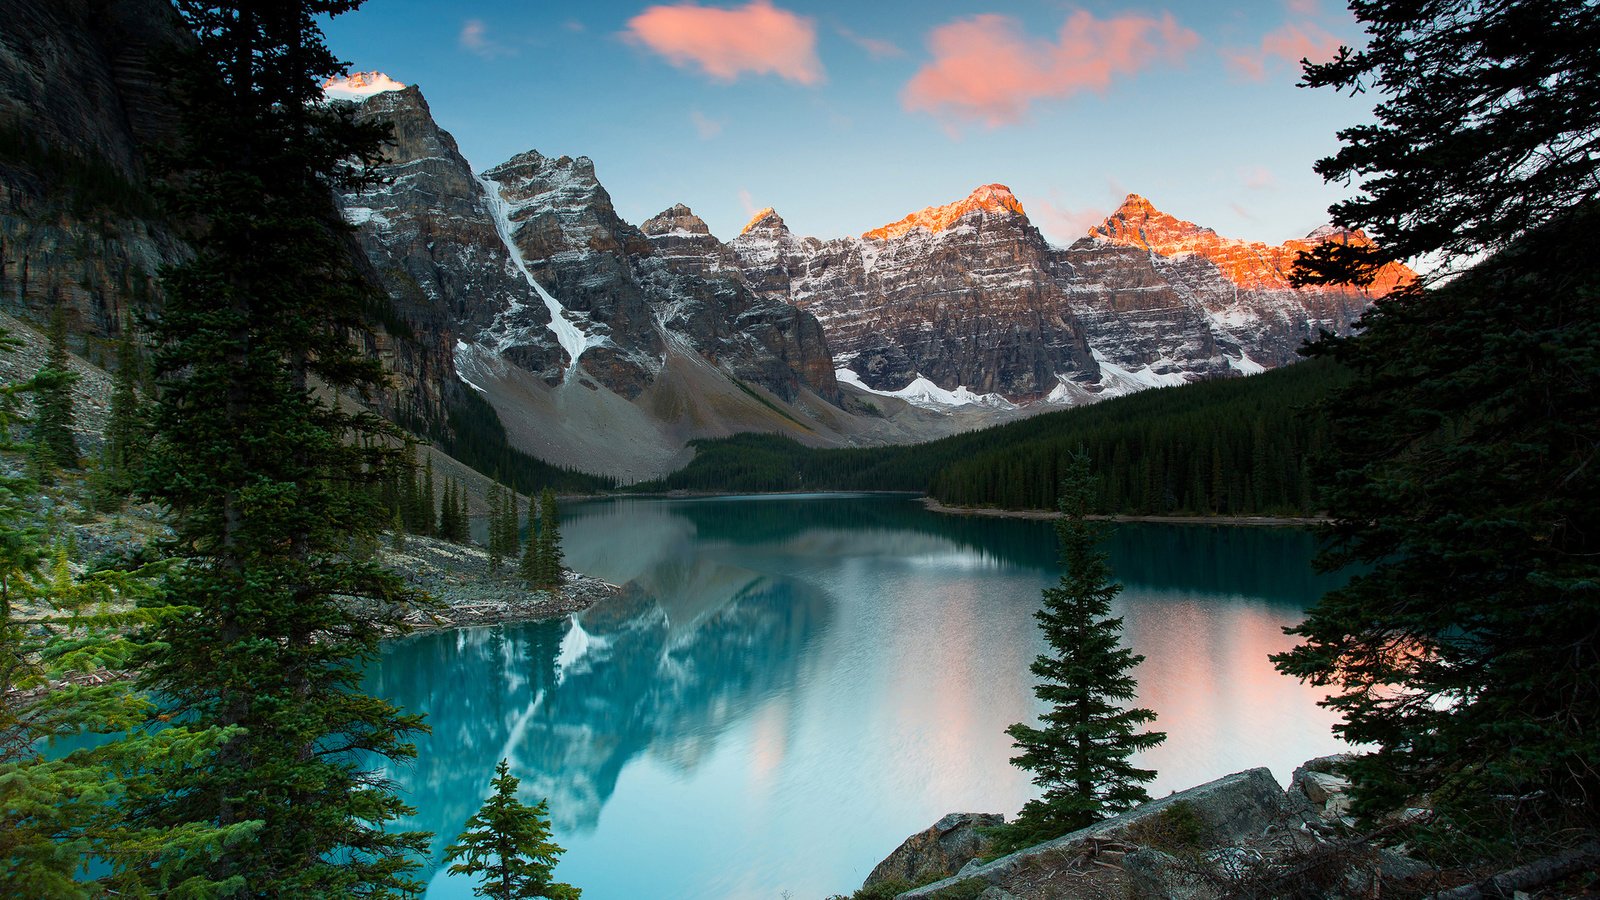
x,y
970,295
531,265
81,107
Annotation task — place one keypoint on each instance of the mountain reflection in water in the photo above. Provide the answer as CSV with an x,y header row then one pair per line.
x,y
788,686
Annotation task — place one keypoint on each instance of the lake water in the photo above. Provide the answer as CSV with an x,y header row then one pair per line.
x,y
791,685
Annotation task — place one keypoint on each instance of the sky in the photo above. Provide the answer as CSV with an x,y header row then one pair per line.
x,y
845,115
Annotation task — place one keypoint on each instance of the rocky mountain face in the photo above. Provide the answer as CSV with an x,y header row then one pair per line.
x,y
81,109
970,295
964,295
530,265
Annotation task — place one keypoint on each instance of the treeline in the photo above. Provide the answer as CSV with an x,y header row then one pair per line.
x,y
1232,446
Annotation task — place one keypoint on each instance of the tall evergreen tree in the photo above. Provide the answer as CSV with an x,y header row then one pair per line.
x,y
508,844
1463,478
54,417
127,429
497,513
258,472
1079,753
449,524
511,540
57,813
550,566
430,500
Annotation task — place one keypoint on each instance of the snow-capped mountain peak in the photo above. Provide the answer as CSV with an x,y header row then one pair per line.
x,y
359,86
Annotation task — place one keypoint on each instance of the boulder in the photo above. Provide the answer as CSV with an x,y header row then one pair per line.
x,y
1317,792
1233,809
941,850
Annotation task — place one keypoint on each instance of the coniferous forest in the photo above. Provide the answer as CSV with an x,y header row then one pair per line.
x,y
1231,447
196,706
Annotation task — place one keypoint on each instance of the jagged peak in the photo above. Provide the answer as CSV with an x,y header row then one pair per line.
x,y
359,86
988,198
677,219
766,218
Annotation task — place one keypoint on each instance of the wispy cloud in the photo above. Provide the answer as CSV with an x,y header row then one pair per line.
x,y
704,125
748,202
1241,212
474,38
877,48
1291,43
1258,178
757,38
987,69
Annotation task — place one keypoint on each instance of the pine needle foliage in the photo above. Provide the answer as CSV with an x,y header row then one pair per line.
x,y
1079,753
273,490
549,567
54,415
507,843
1488,128
1466,482
58,813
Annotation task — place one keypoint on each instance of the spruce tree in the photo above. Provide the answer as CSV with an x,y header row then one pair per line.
x,y
429,500
54,416
260,474
127,430
57,813
549,566
496,527
511,540
1462,477
1079,753
530,568
507,843
449,527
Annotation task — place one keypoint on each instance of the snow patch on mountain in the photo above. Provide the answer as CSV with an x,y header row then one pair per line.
x,y
573,340
927,395
359,86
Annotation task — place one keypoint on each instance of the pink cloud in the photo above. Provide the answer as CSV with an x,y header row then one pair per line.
x,y
876,48
986,69
1258,178
1291,43
725,43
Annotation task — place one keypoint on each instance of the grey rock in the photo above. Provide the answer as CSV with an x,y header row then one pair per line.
x,y
1234,809
951,843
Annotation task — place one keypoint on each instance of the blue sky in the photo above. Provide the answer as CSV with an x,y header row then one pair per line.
x,y
847,115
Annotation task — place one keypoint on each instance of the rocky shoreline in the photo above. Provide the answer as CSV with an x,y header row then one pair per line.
x,y
1240,835
467,594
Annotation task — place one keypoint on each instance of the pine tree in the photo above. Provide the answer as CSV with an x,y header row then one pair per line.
x,y
1079,753
430,500
261,475
1462,477
550,567
508,844
530,567
57,813
54,417
448,526
127,430
511,540
496,527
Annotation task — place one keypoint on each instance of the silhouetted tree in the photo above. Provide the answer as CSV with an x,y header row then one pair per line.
x,y
1079,753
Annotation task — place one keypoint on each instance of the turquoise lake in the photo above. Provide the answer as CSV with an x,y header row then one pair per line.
x,y
791,685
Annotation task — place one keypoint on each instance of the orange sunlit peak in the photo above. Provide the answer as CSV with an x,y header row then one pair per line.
x,y
360,85
990,198
759,217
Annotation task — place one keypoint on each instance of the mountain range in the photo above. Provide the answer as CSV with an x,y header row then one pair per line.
x,y
609,347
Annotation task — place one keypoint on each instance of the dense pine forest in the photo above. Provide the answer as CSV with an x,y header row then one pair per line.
x,y
1230,447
